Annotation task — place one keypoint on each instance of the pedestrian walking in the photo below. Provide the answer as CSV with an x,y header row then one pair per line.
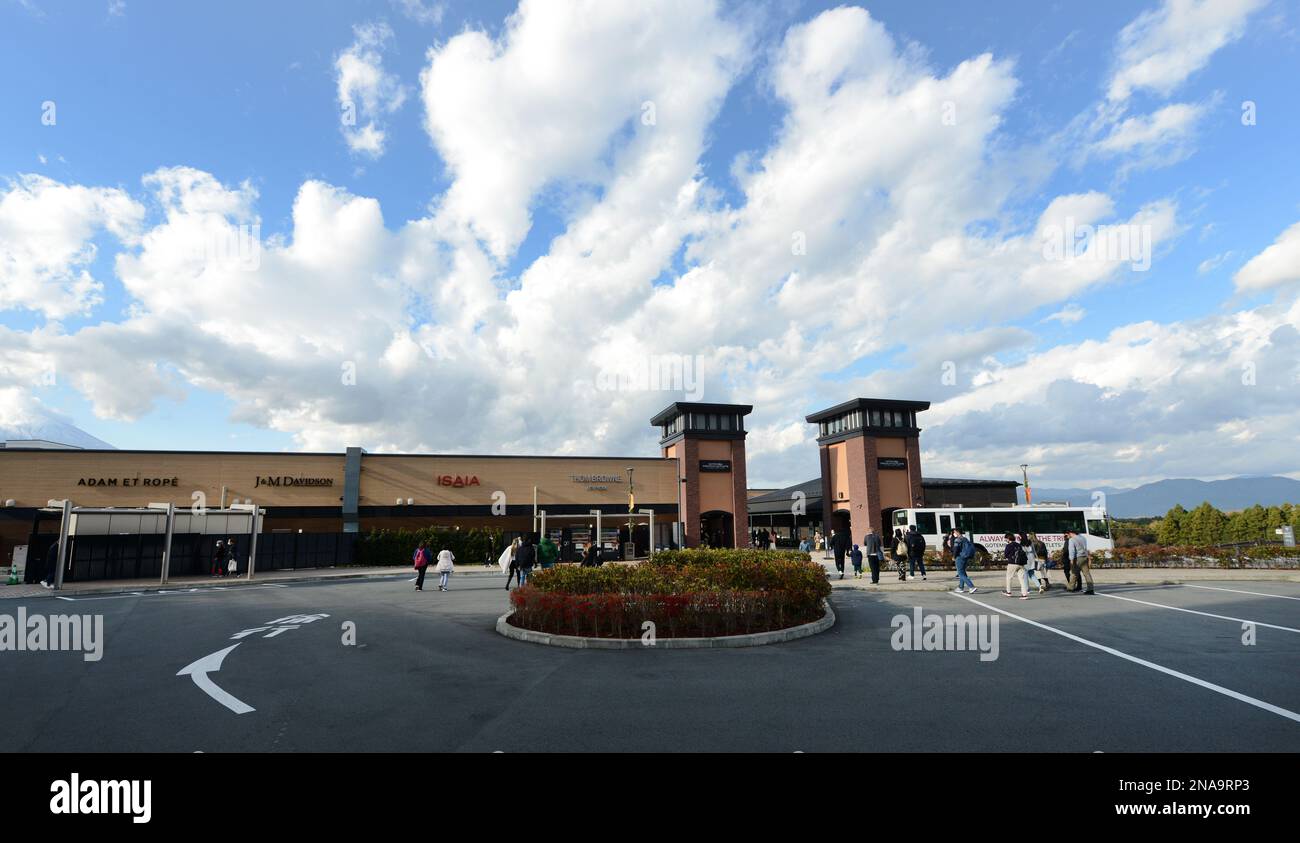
x,y
1033,576
874,552
1016,559
446,564
547,552
525,559
421,561
1044,560
513,570
219,560
898,553
963,551
1080,562
51,565
840,543
591,556
915,553
855,555
232,559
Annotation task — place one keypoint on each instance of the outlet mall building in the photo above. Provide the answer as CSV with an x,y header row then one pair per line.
x,y
693,493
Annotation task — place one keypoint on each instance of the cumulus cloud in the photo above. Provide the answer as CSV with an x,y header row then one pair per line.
x,y
1161,48
885,234
47,233
1277,265
366,92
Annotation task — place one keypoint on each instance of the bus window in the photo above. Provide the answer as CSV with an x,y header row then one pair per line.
x,y
1098,529
945,524
925,523
900,518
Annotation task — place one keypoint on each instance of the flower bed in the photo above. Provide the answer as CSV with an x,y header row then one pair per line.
x,y
685,594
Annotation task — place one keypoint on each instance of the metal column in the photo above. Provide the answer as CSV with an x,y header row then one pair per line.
x,y
167,543
64,528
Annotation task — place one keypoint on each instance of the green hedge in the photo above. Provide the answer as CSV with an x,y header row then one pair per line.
x,y
687,593
709,556
396,547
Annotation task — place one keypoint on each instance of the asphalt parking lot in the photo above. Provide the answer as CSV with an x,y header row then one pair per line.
x,y
1133,669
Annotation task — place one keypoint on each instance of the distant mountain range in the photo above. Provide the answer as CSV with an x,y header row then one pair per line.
x,y
52,430
1160,497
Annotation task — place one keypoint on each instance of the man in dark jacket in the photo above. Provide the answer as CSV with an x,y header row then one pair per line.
x,y
872,550
51,566
525,559
840,543
915,552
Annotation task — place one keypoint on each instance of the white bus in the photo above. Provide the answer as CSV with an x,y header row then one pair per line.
x,y
987,526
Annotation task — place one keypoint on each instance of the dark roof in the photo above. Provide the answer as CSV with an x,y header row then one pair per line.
x,y
671,412
866,403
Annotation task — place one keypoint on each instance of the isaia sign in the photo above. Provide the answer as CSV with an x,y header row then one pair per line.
x,y
458,481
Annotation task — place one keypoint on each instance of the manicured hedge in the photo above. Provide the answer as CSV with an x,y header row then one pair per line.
x,y
683,593
396,547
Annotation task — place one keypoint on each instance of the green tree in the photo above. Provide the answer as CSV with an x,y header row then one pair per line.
x,y
1171,526
1204,525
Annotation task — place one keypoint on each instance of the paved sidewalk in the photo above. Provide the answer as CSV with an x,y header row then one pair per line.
x,y
995,580
73,589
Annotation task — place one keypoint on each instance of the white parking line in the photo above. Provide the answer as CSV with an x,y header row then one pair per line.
x,y
1194,612
1218,689
1239,591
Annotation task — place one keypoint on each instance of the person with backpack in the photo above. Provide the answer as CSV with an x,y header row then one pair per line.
x,y
898,552
915,553
855,555
1044,562
1032,562
525,559
1016,560
446,564
963,551
421,560
874,553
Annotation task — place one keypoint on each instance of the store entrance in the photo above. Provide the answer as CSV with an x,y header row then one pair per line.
x,y
716,529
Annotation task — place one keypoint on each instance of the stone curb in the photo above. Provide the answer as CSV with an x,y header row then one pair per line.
x,y
755,639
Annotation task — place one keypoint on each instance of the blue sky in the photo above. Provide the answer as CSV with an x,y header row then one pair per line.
x,y
249,93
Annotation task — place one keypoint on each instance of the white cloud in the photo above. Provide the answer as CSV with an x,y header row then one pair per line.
x,y
1277,265
1212,263
366,92
421,11
1161,48
564,93
1067,315
47,232
1165,131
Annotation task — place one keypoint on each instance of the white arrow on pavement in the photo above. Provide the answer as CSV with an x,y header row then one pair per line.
x,y
211,663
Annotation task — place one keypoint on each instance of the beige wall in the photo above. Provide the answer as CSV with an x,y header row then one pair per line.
x,y
31,478
839,464
895,490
